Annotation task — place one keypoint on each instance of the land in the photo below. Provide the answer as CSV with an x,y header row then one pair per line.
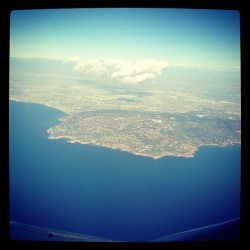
x,y
154,121
148,134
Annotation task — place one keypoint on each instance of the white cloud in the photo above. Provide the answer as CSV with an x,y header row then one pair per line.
x,y
91,66
120,70
182,64
138,78
186,65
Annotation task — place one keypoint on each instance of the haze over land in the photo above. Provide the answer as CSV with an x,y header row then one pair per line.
x,y
143,81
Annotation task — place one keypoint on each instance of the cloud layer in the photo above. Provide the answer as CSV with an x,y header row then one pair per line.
x,y
120,70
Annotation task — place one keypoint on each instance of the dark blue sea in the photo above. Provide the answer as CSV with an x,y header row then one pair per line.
x,y
112,194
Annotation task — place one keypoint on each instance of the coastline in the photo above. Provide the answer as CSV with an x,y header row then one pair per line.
x,y
69,139
143,154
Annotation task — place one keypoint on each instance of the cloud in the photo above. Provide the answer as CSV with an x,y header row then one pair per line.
x,y
90,66
182,64
186,65
120,70
138,78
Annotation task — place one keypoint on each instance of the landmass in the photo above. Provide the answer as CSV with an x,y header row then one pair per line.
x,y
148,134
154,120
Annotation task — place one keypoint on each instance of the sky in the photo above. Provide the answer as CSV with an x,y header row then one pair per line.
x,y
132,41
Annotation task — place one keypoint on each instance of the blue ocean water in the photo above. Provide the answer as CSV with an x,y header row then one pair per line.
x,y
113,194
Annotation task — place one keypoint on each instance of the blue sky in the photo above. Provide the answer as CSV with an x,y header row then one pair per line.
x,y
196,38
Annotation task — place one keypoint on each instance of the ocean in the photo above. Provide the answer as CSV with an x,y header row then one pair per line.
x,y
113,194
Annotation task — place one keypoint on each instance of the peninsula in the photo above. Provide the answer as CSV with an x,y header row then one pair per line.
x,y
148,134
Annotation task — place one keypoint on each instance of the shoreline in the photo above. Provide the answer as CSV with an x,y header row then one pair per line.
x,y
143,155
74,140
